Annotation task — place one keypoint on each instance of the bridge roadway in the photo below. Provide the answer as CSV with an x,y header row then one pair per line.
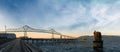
x,y
18,46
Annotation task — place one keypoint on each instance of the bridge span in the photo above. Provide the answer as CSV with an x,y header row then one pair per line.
x,y
27,28
25,44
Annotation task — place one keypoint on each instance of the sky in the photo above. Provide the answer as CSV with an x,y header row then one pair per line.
x,y
70,17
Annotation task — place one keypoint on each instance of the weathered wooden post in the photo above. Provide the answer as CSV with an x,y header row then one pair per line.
x,y
98,42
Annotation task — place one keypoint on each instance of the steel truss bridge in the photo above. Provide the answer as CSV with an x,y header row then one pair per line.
x,y
26,29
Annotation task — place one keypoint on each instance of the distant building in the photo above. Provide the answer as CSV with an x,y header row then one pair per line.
x,y
7,35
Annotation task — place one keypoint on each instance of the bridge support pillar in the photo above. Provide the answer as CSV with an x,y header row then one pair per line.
x,y
60,36
52,36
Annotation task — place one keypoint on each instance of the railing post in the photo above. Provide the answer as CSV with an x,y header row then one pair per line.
x,y
98,42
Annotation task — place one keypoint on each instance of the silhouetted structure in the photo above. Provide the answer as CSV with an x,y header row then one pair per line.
x,y
98,42
97,36
26,29
5,37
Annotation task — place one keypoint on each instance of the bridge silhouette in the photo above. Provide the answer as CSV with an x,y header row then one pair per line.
x,y
27,28
26,44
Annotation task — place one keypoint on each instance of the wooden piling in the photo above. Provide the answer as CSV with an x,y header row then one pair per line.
x,y
98,42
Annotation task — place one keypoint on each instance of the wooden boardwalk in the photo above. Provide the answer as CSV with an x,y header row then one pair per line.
x,y
18,46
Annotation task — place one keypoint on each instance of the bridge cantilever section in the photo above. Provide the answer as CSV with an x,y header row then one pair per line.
x,y
29,29
26,29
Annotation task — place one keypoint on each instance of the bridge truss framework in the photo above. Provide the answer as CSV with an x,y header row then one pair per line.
x,y
26,29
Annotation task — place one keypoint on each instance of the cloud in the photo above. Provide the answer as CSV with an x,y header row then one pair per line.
x,y
53,14
64,15
4,19
105,14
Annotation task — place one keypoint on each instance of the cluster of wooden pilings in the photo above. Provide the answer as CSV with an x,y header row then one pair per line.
x,y
98,42
50,40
